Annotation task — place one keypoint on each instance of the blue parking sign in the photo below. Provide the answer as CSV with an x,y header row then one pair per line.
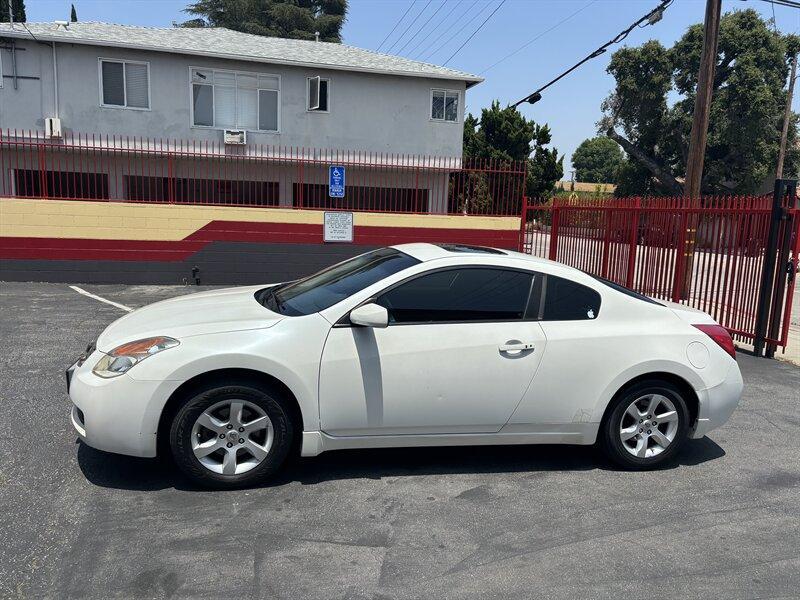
x,y
336,181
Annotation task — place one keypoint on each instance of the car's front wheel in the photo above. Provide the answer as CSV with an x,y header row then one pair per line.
x,y
645,425
231,436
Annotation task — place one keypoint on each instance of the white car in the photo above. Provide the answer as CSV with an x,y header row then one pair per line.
x,y
412,345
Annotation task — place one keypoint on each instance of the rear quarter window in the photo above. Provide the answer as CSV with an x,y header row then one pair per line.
x,y
566,300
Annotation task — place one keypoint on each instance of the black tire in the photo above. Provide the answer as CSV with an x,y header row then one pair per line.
x,y
609,436
269,401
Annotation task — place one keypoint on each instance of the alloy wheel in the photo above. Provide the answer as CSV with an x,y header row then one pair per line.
x,y
232,437
648,426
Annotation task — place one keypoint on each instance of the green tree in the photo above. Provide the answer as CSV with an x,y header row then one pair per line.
x,y
297,19
749,94
597,160
73,14
504,134
17,6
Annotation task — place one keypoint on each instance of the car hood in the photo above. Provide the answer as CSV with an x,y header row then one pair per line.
x,y
230,309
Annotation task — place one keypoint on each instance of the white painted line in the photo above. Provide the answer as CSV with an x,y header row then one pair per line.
x,y
101,299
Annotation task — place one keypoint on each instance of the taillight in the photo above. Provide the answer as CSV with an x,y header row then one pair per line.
x,y
720,335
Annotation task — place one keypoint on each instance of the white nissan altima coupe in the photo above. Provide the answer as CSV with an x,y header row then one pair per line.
x,y
413,345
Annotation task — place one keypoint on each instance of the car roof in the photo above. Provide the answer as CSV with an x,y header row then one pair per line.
x,y
424,252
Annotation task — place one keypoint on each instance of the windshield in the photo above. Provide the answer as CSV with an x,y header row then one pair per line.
x,y
324,289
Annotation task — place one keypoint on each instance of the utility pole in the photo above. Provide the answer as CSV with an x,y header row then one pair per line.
x,y
786,115
702,102
699,135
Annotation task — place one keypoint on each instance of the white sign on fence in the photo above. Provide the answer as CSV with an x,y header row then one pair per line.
x,y
338,227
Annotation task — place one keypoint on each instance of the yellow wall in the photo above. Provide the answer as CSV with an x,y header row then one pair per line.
x,y
172,222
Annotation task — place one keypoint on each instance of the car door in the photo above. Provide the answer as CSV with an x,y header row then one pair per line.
x,y
457,357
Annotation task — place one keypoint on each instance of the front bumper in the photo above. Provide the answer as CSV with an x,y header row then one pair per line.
x,y
718,403
117,415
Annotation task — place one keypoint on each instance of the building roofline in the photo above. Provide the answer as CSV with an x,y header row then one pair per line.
x,y
470,80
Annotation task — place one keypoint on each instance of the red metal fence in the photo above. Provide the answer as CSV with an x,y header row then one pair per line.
x,y
710,256
136,169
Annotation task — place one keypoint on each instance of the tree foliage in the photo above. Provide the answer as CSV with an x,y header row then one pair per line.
x,y
597,160
73,14
297,19
504,134
749,95
17,6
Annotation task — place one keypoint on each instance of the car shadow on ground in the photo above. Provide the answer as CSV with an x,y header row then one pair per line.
x,y
142,474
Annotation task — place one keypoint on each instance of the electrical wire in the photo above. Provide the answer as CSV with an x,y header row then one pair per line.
x,y
410,25
486,20
601,50
787,3
424,25
542,34
462,28
435,27
29,31
445,32
388,35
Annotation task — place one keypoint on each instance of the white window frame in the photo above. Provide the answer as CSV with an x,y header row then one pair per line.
x,y
308,95
213,116
123,61
443,119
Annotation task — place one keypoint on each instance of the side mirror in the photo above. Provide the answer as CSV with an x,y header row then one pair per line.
x,y
370,315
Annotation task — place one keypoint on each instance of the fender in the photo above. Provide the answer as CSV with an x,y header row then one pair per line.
x,y
267,351
652,366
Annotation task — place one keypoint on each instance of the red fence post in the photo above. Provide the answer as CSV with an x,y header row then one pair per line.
x,y
170,178
522,223
794,262
300,190
633,240
42,170
554,231
609,218
680,259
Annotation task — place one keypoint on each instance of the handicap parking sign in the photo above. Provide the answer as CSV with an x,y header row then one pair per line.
x,y
336,181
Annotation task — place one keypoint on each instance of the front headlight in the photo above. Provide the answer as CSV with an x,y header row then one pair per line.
x,y
122,358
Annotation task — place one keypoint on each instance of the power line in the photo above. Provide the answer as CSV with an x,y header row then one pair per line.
x,y
542,34
460,29
424,25
787,3
410,25
652,17
445,32
410,6
444,64
435,27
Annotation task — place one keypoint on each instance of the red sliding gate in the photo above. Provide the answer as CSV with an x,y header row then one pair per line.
x,y
733,257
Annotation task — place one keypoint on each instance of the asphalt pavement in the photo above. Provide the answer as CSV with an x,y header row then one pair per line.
x,y
501,522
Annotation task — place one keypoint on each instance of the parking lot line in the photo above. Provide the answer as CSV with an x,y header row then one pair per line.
x,y
101,299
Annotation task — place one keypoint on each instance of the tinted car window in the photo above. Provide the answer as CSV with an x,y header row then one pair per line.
x,y
324,289
627,291
565,300
459,295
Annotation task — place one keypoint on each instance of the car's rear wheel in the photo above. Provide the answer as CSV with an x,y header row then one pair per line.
x,y
645,425
231,436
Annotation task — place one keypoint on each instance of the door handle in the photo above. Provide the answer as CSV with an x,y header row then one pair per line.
x,y
515,347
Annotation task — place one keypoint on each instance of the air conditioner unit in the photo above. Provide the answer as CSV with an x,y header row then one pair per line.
x,y
236,137
52,127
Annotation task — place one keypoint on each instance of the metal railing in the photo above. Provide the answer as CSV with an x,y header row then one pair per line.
x,y
137,169
708,254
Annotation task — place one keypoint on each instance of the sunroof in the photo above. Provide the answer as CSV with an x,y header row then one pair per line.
x,y
469,249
